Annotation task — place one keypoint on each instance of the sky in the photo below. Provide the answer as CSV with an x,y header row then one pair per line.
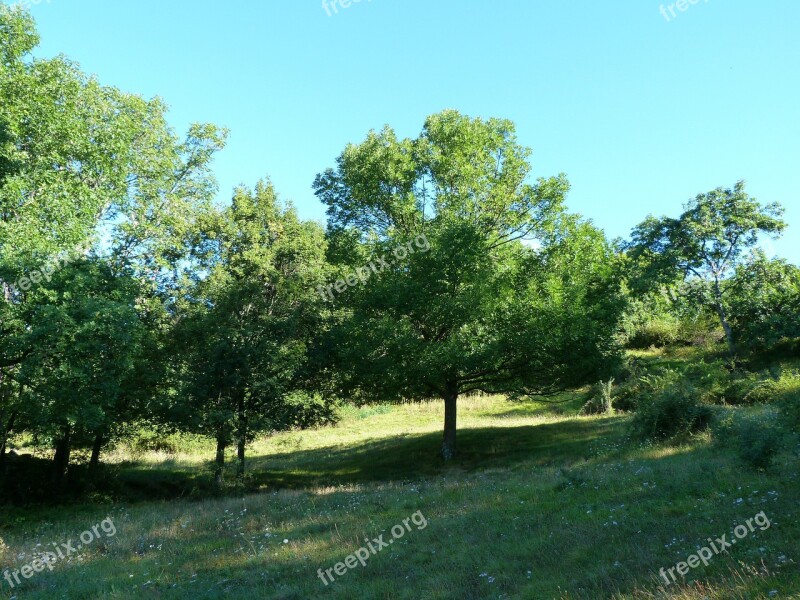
x,y
641,104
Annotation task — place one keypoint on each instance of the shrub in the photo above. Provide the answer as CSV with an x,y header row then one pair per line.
x,y
757,439
153,441
627,400
657,332
783,389
749,390
740,391
738,388
710,378
790,411
758,444
143,440
601,402
671,413
640,386
663,317
649,321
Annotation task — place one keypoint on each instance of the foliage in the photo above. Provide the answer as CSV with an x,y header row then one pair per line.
x,y
86,344
662,317
244,331
757,439
175,320
672,413
85,166
789,400
756,388
704,245
641,381
477,311
765,303
602,399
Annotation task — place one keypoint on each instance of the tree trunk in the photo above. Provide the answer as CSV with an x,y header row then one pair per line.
x,y
4,433
719,306
450,414
61,458
728,332
220,460
94,461
240,452
241,442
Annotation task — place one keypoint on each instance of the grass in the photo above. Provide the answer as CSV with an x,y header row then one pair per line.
x,y
539,504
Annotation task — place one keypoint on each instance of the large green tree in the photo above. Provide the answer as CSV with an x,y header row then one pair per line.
x,y
246,325
705,244
457,302
88,342
83,165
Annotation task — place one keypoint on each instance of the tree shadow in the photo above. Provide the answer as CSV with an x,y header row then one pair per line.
x,y
404,457
407,457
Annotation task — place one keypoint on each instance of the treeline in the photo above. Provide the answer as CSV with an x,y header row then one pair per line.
x,y
131,300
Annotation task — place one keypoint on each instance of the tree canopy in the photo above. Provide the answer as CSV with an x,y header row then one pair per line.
x,y
706,244
479,311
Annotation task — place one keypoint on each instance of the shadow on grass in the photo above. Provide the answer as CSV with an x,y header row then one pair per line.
x,y
408,457
402,458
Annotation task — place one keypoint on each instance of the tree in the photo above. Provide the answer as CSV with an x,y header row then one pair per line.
x,y
67,145
459,303
705,244
765,302
80,161
246,326
87,338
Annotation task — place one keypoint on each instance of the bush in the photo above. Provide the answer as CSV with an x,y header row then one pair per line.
x,y
749,390
742,391
661,318
783,389
627,401
658,332
758,444
649,321
757,439
790,411
601,402
640,384
710,379
673,412
144,440
738,388
154,441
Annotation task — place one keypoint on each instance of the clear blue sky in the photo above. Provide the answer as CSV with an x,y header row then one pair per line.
x,y
641,112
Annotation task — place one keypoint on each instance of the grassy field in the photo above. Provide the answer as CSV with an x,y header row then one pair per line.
x,y
540,503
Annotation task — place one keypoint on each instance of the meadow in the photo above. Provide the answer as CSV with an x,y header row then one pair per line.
x,y
540,503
